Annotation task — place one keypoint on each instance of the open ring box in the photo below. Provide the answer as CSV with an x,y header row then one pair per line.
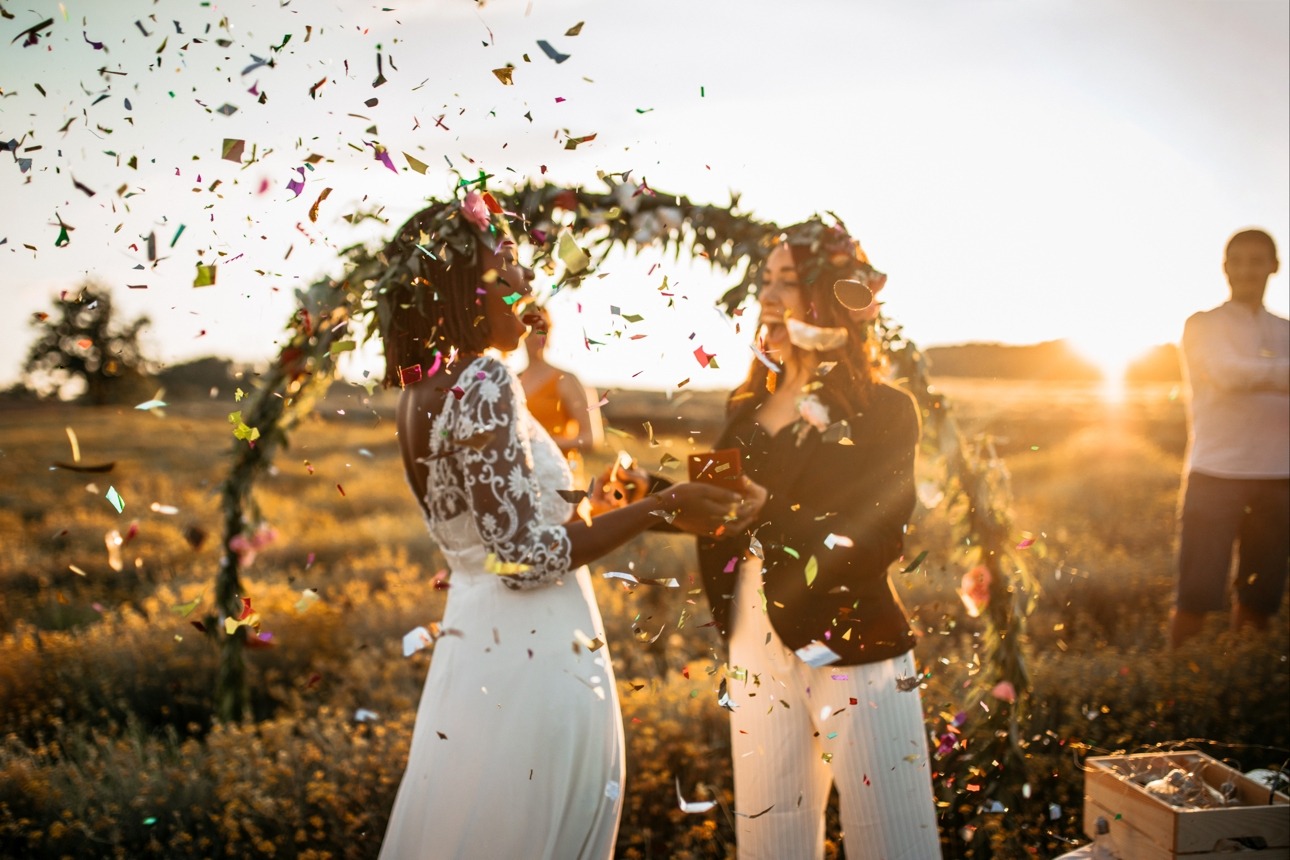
x,y
1254,821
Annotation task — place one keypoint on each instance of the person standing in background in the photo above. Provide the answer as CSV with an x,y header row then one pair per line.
x,y
1236,488
557,398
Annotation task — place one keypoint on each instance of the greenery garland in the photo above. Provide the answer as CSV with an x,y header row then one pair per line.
x,y
981,760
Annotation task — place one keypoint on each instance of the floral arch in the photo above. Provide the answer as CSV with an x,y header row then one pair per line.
x,y
981,760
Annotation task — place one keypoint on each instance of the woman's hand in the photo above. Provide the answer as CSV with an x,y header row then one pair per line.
x,y
620,485
699,507
753,499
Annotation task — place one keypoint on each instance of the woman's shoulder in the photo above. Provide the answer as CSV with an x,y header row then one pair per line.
x,y
485,368
892,396
890,408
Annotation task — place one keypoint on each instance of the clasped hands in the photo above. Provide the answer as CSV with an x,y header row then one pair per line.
x,y
697,507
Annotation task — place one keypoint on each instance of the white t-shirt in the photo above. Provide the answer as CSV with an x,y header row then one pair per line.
x,y
1236,361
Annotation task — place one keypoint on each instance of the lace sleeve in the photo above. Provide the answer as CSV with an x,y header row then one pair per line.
x,y
497,469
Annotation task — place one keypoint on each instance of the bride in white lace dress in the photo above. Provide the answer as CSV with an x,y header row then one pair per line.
x,y
517,750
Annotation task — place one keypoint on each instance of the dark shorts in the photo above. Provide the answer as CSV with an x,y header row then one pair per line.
x,y
1218,513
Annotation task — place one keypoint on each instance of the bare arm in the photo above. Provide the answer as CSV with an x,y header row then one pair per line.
x,y
496,460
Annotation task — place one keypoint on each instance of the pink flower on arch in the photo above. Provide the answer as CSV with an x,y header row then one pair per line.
x,y
475,209
975,590
1004,691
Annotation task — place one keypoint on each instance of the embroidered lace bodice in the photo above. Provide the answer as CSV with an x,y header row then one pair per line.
x,y
493,476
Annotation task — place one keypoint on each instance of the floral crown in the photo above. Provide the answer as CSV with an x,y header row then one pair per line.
x,y
834,261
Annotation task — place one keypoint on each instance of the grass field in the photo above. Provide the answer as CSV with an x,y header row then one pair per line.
x,y
109,749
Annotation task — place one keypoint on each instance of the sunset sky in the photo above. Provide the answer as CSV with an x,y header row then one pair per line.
x,y
1024,171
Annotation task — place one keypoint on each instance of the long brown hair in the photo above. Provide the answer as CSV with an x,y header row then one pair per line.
x,y
823,255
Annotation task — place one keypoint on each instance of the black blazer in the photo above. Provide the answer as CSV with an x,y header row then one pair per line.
x,y
863,491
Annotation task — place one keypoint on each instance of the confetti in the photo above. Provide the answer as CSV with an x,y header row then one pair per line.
x,y
416,164
308,597
817,654
115,499
575,142
833,540
812,570
692,806
409,375
205,276
232,149
906,685
573,257
493,564
313,210
416,640
297,185
551,51
913,566
504,75
240,428
381,154
186,609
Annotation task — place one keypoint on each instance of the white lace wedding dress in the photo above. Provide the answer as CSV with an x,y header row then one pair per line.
x,y
518,746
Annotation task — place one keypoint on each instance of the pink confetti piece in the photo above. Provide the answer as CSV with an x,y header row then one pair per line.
x,y
410,375
1026,543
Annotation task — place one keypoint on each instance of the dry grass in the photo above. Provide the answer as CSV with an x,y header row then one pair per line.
x,y
108,745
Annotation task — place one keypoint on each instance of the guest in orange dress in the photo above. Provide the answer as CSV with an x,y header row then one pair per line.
x,y
557,398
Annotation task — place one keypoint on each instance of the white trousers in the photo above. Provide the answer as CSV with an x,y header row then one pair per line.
x,y
796,730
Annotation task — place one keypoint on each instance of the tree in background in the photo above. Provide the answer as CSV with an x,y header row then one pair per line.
x,y
83,352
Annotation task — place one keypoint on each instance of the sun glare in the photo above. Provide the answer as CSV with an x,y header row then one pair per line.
x,y
1111,353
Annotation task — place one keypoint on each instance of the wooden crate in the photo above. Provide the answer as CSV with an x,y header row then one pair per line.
x,y
1144,827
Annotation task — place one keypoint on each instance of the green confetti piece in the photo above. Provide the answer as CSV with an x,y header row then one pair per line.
x,y
240,428
205,276
186,609
63,238
633,318
339,346
812,571
149,821
792,552
115,499
178,233
916,562
512,298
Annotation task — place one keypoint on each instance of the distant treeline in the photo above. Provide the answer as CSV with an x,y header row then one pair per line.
x,y
211,377
1052,360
